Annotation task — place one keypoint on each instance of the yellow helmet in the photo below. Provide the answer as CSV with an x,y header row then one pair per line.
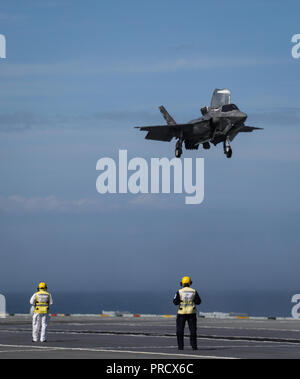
x,y
42,286
186,281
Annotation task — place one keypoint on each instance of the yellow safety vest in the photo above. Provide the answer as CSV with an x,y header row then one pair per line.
x,y
187,305
42,300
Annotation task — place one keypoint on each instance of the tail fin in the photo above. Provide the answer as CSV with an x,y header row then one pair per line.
x,y
166,116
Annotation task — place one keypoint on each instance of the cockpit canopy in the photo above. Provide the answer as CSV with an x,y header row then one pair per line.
x,y
220,97
229,108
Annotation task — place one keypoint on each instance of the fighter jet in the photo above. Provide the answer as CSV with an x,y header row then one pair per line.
x,y
221,122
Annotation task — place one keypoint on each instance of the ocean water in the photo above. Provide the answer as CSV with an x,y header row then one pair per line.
x,y
252,303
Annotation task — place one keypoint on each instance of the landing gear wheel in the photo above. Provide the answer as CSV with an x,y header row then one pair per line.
x,y
178,149
227,149
229,152
178,152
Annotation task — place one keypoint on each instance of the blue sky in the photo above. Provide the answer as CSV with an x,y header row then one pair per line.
x,y
79,76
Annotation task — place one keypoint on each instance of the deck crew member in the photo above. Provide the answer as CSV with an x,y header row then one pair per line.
x,y
41,301
186,298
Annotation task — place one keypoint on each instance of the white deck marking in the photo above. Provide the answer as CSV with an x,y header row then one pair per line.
x,y
118,351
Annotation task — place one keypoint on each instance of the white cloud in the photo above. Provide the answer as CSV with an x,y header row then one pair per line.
x,y
157,201
17,203
78,68
51,204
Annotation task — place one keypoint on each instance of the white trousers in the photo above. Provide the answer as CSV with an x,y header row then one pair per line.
x,y
39,326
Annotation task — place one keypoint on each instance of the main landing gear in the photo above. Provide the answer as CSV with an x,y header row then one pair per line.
x,y
227,149
178,149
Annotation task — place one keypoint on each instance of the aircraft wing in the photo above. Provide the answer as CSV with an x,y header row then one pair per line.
x,y
167,132
247,129
242,129
164,132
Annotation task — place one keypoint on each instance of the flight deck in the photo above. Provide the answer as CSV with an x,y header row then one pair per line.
x,y
96,337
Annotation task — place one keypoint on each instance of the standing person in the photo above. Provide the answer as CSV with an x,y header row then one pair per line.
x,y
41,301
186,298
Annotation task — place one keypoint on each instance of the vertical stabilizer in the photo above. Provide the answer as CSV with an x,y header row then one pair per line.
x,y
169,119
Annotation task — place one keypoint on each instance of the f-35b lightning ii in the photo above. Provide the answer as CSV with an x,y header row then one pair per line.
x,y
221,122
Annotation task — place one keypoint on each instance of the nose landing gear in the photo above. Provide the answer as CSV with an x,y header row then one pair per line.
x,y
227,149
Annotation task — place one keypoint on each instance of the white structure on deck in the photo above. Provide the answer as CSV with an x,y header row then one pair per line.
x,y
2,306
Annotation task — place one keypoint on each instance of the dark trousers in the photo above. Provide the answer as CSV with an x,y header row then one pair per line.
x,y
180,324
